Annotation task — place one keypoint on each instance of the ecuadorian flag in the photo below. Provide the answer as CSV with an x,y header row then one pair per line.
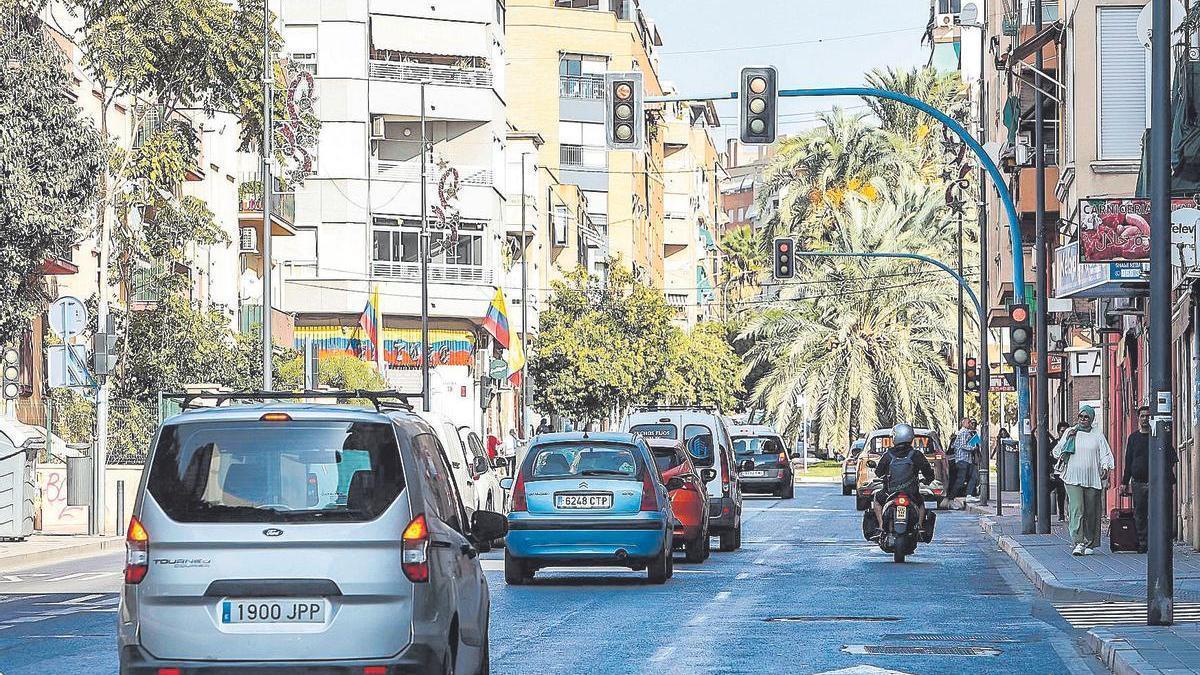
x,y
369,322
496,321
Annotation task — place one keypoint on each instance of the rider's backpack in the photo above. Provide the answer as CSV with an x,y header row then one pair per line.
x,y
902,472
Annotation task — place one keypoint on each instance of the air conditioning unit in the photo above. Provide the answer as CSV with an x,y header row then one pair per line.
x,y
247,240
377,127
1126,306
947,20
1023,152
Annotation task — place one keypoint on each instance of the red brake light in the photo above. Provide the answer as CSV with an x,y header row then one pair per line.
x,y
518,494
649,493
169,671
137,552
414,550
276,417
374,670
902,500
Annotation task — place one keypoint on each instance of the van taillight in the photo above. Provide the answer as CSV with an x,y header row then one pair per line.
x,y
414,550
724,478
137,552
783,460
649,493
518,494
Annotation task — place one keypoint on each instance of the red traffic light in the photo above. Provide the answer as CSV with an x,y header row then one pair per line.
x,y
972,362
1019,314
783,247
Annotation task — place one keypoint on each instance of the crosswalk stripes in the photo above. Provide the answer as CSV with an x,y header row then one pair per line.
x,y
1092,614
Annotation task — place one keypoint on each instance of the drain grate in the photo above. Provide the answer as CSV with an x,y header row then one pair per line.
x,y
943,637
920,650
810,619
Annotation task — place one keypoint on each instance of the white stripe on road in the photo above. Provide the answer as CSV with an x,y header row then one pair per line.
x,y
81,600
698,620
743,575
663,654
723,595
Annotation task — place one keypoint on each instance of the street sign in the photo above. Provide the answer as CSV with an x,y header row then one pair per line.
x,y
498,369
68,316
1085,363
1000,382
67,367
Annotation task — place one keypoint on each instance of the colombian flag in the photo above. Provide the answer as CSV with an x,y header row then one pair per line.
x,y
496,321
369,322
516,363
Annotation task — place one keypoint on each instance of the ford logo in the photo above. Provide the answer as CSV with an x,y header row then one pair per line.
x,y
272,531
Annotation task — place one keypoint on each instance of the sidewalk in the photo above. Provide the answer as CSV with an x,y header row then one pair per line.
x,y
47,549
1104,593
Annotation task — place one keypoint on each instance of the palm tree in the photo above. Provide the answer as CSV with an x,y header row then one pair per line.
x,y
745,261
866,341
814,173
916,137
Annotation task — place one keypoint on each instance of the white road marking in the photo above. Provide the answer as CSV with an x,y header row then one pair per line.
x,y
743,575
16,579
723,595
663,654
81,600
698,620
81,576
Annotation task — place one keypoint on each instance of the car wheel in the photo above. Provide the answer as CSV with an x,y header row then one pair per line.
x,y
737,538
707,545
515,571
450,665
659,569
485,660
694,550
789,491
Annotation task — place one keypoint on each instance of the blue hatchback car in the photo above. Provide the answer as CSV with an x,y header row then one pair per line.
x,y
588,499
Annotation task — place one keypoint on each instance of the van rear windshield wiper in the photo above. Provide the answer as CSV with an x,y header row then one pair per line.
x,y
603,472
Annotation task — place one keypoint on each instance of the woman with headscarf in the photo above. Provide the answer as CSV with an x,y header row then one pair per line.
x,y
1086,460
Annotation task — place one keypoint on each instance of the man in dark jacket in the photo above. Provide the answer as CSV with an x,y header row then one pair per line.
x,y
901,469
1136,475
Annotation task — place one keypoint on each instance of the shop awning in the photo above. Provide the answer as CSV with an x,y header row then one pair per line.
x,y
1051,33
429,36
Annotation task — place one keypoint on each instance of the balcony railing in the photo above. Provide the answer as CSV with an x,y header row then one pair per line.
x,y
677,300
455,76
410,172
581,86
411,272
283,205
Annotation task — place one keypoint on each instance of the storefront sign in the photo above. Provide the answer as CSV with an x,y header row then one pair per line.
x,y
401,346
1114,230
998,382
1085,363
1074,278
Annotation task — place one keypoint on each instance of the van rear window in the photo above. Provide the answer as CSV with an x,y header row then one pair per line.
x,y
276,471
655,431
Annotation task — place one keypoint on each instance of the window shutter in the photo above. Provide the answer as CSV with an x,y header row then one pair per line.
x,y
1122,83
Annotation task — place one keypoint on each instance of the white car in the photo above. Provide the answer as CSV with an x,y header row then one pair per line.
x,y
464,464
488,493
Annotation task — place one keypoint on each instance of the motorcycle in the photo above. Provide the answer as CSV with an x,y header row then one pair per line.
x,y
901,529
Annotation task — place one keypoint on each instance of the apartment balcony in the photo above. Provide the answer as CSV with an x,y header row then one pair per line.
x,y
409,171
433,74
438,273
460,293
1027,189
582,156
250,208
677,300
678,233
451,92
583,87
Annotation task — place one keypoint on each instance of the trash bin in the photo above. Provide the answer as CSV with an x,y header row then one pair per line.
x,y
1011,466
18,488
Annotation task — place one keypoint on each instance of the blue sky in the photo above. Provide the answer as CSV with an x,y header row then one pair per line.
x,y
705,42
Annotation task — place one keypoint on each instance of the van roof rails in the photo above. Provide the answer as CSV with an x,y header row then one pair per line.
x,y
383,400
655,407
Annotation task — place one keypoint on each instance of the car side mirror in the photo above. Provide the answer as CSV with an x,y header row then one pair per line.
x,y
499,462
872,463
747,465
708,475
506,483
674,483
480,465
487,526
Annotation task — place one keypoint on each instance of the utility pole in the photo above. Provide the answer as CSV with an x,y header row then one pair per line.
x,y
268,83
1042,479
524,306
985,481
100,446
423,247
962,380
1160,580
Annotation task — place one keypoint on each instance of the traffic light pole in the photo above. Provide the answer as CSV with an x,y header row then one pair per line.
x,y
1042,479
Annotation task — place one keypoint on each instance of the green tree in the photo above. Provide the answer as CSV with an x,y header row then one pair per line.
x,y
339,371
602,346
745,262
50,158
703,370
917,137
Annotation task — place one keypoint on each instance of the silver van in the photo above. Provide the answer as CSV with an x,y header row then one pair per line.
x,y
300,538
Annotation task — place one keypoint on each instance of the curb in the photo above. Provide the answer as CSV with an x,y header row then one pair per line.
x,y
1039,575
62,553
1117,654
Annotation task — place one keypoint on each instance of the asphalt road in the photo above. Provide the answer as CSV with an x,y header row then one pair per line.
x,y
804,595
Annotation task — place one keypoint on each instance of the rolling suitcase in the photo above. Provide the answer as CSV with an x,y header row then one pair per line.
x,y
1122,531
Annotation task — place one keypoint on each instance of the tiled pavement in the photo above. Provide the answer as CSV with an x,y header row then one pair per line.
x,y
1104,578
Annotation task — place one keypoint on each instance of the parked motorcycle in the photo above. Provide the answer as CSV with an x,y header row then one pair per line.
x,y
901,529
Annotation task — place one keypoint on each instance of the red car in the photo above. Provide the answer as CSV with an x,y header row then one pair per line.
x,y
689,499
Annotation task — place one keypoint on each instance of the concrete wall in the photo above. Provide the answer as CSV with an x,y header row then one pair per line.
x,y
59,518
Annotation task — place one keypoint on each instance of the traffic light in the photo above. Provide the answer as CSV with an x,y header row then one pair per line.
x,y
971,373
1020,337
10,382
104,353
758,101
624,114
785,267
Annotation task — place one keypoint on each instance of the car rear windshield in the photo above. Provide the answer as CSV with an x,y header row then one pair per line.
x,y
667,457
698,440
564,460
655,431
757,445
276,471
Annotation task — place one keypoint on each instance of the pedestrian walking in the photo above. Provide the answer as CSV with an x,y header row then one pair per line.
x,y
960,447
1086,461
1135,476
973,467
544,427
1057,487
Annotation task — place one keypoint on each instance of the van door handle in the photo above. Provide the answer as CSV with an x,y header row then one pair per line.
x,y
440,544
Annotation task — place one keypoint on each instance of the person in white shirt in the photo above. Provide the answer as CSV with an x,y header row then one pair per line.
x,y
1086,460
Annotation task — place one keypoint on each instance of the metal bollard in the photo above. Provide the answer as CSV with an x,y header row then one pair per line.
x,y
120,525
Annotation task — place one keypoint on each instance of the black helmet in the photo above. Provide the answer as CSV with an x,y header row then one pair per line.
x,y
903,434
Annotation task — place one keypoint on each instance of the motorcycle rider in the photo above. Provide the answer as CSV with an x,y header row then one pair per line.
x,y
900,469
